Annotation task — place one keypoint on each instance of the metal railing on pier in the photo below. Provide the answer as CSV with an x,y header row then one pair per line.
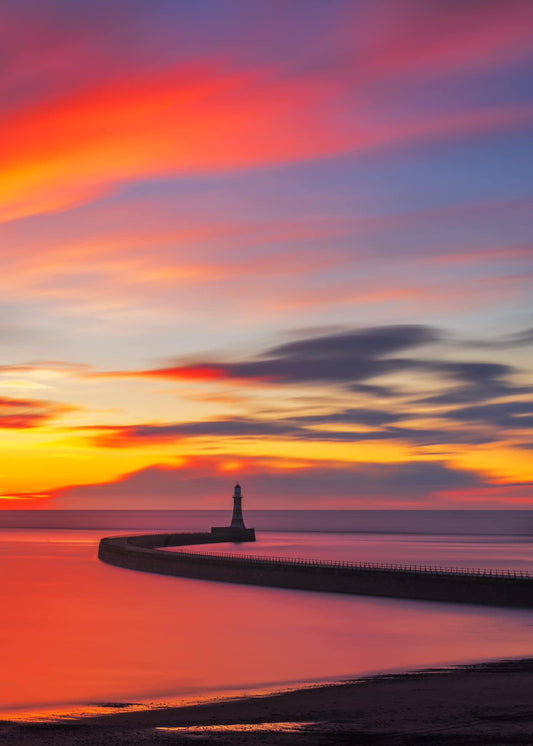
x,y
340,564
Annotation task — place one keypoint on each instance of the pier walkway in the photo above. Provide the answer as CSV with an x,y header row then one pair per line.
x,y
392,567
148,553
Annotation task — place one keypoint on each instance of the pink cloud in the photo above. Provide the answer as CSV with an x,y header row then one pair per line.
x,y
424,40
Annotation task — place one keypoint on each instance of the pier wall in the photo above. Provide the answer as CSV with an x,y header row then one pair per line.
x,y
146,553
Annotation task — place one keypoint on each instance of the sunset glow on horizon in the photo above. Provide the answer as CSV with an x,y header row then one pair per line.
x,y
287,244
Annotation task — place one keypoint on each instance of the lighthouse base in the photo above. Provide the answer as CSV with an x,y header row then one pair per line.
x,y
226,533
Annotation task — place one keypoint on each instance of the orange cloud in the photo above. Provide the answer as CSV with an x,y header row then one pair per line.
x,y
23,414
202,373
197,119
186,121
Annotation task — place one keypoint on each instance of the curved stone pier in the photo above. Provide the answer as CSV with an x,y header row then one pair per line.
x,y
147,553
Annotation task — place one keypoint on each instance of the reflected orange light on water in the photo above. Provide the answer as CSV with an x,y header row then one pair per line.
x,y
281,727
78,631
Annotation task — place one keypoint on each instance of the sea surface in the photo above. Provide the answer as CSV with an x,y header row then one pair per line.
x,y
77,631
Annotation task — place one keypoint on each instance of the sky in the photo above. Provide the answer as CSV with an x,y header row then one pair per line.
x,y
281,243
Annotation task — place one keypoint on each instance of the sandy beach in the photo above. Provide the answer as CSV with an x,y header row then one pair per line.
x,y
489,703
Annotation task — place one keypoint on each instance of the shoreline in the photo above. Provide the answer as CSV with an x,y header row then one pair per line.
x,y
485,703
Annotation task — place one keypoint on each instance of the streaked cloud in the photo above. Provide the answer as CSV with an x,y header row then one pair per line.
x,y
22,414
224,112
349,357
356,355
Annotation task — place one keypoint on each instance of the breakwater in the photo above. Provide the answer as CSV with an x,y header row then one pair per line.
x,y
458,585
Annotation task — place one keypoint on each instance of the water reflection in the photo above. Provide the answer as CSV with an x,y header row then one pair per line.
x,y
496,553
285,727
75,630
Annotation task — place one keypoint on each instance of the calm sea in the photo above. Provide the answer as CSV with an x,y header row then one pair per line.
x,y
75,630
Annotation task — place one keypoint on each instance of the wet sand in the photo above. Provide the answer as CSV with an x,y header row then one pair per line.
x,y
490,703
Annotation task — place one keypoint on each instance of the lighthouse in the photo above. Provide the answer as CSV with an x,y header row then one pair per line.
x,y
236,531
237,520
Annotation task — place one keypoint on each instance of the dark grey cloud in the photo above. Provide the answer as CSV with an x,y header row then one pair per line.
x,y
477,382
355,359
522,338
202,481
241,427
516,415
432,437
124,436
353,416
369,343
470,372
305,428
351,356
368,389
472,394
